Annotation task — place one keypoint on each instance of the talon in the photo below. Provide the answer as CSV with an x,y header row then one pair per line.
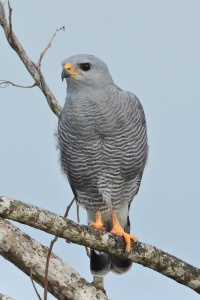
x,y
119,231
98,223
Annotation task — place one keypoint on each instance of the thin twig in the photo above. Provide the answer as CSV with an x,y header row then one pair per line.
x,y
6,83
78,220
48,46
50,251
47,267
68,208
33,283
77,212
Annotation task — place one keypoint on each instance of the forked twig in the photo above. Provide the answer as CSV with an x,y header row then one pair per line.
x,y
7,83
30,65
48,46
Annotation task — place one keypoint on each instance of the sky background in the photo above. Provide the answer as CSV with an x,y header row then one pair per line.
x,y
152,48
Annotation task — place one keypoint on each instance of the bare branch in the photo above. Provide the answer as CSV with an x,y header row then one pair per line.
x,y
68,208
25,253
48,46
141,253
29,64
4,297
7,83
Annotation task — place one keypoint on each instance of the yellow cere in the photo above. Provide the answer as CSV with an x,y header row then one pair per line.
x,y
71,70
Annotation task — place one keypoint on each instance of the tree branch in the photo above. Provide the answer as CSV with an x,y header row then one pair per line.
x,y
30,256
5,83
4,297
32,68
48,46
144,254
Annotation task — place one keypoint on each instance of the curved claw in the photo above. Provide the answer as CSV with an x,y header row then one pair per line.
x,y
119,231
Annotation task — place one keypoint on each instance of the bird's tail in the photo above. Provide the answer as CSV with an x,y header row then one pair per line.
x,y
101,263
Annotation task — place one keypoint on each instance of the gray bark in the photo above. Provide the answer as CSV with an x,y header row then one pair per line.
x,y
29,255
4,297
144,254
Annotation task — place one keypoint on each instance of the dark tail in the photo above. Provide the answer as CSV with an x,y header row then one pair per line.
x,y
101,263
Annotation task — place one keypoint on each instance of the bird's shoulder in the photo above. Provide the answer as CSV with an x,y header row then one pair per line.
x,y
129,101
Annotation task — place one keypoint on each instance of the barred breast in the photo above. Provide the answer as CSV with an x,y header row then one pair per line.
x,y
103,147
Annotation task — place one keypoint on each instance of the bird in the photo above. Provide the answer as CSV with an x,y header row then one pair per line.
x,y
102,140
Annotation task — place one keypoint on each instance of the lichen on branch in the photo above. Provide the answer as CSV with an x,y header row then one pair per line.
x,y
30,257
141,253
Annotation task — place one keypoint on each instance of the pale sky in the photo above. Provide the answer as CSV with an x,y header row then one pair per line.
x,y
152,48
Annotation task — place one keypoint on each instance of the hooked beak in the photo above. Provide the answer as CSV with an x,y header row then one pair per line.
x,y
69,71
64,74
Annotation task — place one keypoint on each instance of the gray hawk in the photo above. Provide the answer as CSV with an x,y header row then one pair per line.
x,y
102,138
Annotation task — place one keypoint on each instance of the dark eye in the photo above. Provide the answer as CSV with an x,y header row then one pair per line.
x,y
85,66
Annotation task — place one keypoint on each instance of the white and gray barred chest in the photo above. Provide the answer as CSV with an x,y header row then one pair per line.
x,y
103,147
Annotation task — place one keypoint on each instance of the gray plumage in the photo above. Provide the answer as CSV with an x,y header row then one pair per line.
x,y
102,139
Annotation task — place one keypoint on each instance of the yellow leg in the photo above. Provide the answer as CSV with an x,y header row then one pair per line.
x,y
98,223
119,231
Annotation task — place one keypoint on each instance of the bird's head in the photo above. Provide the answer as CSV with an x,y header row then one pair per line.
x,y
85,69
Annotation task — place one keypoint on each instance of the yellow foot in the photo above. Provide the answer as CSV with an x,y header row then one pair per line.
x,y
98,223
119,231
